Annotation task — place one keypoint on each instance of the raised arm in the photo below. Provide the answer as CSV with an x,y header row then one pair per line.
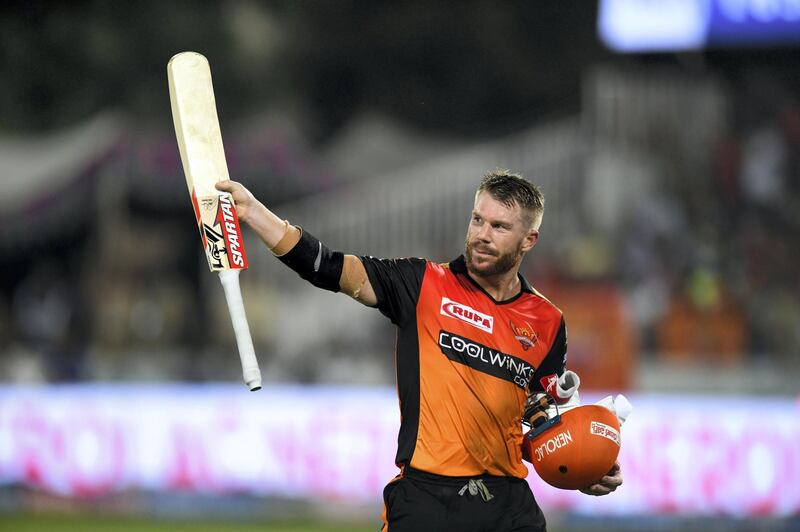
x,y
281,238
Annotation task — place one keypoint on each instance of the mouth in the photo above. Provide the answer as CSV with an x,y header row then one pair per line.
x,y
482,252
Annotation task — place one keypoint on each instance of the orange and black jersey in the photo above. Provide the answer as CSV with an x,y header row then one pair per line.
x,y
464,364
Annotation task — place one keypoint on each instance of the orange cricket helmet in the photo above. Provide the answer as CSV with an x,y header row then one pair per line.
x,y
575,449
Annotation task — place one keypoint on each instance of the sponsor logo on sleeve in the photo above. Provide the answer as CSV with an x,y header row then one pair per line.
x,y
467,314
550,384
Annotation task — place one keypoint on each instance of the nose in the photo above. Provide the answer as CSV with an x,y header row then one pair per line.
x,y
483,232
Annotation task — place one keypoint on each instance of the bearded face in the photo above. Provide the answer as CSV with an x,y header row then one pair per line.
x,y
497,237
485,261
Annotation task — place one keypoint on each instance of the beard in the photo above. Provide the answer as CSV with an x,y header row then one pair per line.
x,y
503,262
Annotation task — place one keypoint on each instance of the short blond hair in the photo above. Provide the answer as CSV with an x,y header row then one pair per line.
x,y
513,189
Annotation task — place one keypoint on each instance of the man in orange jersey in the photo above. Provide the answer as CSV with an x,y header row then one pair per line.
x,y
475,340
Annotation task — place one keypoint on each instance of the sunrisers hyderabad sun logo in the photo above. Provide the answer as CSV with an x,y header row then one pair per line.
x,y
525,335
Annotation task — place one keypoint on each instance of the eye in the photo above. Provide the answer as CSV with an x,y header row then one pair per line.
x,y
476,219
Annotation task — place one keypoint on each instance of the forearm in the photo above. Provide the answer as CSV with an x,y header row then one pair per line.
x,y
322,267
268,226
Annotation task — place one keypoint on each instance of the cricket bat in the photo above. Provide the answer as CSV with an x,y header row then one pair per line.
x,y
194,113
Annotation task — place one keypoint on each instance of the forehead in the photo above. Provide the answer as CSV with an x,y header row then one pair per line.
x,y
493,209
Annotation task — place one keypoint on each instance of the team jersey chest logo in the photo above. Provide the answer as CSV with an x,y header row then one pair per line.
x,y
467,314
525,335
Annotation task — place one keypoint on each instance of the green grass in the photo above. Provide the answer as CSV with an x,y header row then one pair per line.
x,y
70,523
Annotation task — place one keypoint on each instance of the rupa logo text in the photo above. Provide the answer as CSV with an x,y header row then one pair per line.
x,y
467,314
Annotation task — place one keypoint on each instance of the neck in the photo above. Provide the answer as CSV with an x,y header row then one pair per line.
x,y
501,286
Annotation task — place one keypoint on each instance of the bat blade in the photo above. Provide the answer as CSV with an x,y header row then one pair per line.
x,y
194,113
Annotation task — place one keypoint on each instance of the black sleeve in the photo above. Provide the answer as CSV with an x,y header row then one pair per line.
x,y
397,283
555,362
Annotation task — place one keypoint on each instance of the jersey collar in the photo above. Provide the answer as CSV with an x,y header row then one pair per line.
x,y
459,266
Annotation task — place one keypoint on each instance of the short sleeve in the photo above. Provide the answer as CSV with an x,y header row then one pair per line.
x,y
554,363
397,284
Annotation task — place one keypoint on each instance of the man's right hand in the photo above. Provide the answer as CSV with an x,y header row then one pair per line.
x,y
243,199
252,212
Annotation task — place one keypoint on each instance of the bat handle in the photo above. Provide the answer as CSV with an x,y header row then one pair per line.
x,y
247,354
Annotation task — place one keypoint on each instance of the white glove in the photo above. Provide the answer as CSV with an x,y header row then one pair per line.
x,y
567,390
565,394
620,405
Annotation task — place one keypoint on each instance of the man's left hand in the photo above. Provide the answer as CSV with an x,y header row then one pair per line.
x,y
607,484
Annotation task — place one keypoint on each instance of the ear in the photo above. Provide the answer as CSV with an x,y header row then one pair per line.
x,y
530,239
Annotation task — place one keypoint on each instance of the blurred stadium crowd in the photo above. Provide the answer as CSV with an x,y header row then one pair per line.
x,y
682,249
